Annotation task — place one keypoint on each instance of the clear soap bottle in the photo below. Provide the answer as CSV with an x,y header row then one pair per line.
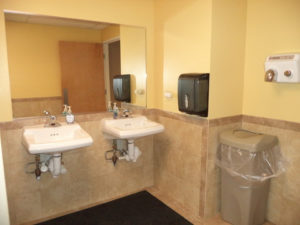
x,y
65,111
70,118
115,111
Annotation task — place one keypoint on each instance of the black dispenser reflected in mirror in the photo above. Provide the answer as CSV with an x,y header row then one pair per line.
x,y
121,87
193,89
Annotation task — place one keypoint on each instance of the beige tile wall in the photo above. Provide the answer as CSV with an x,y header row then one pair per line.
x,y
184,162
284,197
190,143
28,107
182,169
177,159
213,185
90,178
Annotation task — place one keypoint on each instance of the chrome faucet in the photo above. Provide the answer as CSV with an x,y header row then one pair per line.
x,y
51,120
126,113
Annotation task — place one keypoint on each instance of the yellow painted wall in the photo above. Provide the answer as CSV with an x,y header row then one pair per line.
x,y
273,26
110,32
227,57
133,60
33,56
182,44
187,40
134,12
201,36
243,34
5,97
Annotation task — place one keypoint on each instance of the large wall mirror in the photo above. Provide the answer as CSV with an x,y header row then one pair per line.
x,y
56,61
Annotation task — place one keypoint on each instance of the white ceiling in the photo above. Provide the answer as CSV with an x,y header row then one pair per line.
x,y
56,21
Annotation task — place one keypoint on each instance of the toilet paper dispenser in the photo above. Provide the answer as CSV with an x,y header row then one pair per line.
x,y
193,89
284,68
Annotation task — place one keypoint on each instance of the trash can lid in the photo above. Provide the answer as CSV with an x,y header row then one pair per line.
x,y
247,140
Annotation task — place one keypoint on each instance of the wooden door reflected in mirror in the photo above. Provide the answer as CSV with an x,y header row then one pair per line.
x,y
82,76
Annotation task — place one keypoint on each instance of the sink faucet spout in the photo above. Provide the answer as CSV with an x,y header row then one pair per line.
x,y
51,120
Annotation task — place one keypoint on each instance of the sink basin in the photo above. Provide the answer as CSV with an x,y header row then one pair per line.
x,y
39,139
130,128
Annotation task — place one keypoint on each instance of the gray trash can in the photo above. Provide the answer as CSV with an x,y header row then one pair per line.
x,y
248,160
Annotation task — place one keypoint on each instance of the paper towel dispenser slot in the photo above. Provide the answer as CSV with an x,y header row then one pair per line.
x,y
121,87
283,68
193,89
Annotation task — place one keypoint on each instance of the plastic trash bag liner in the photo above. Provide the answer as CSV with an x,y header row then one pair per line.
x,y
252,165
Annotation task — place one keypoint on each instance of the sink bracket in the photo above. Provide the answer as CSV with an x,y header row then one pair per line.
x,y
118,152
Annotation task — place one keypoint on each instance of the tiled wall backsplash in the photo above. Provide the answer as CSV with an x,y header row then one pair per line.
x,y
177,160
179,163
181,147
213,180
28,107
284,196
89,180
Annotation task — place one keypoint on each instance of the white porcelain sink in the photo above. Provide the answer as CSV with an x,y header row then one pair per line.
x,y
39,139
130,128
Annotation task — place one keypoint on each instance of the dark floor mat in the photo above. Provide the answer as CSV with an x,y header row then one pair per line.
x,y
137,209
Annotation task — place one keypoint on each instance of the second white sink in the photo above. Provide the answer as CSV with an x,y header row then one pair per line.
x,y
130,128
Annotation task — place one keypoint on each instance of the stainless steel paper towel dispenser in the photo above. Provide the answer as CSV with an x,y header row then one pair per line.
x,y
193,89
121,86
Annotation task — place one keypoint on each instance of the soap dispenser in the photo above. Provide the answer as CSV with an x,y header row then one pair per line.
x,y
65,111
115,111
70,117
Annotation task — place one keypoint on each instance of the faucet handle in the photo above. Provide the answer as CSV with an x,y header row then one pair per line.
x,y
52,120
126,113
